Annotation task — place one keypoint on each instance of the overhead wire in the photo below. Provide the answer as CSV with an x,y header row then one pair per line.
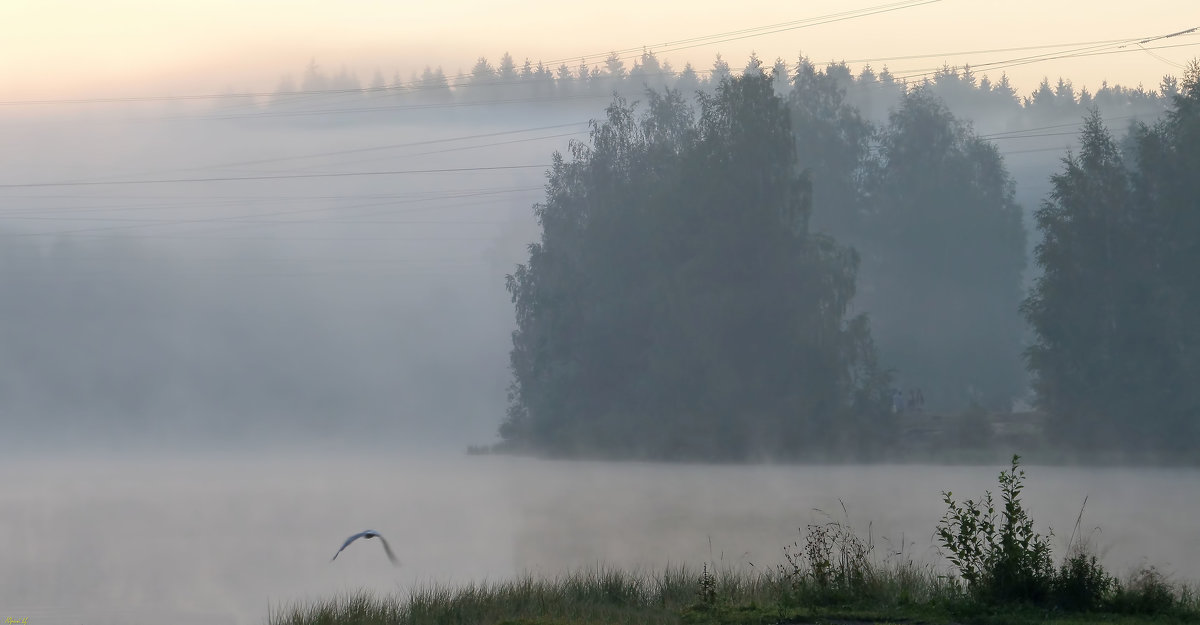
x,y
261,217
670,45
385,147
210,202
392,172
246,218
1087,49
898,77
690,42
1098,50
396,146
685,44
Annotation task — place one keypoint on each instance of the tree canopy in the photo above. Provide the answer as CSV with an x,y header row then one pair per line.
x,y
1117,348
677,305
944,252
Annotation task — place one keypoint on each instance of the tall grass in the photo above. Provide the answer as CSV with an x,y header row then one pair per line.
x,y
669,596
882,589
1004,574
597,595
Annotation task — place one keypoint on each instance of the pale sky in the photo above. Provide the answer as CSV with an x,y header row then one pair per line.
x,y
97,48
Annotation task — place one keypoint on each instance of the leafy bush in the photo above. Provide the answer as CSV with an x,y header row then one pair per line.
x,y
1001,562
1147,591
1082,583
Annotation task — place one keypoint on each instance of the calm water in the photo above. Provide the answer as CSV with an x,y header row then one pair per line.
x,y
218,540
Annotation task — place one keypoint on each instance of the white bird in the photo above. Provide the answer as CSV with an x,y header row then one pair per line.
x,y
368,534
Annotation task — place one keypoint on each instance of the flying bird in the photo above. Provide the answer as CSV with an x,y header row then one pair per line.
x,y
368,534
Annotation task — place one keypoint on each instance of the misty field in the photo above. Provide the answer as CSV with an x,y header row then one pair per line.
x,y
222,539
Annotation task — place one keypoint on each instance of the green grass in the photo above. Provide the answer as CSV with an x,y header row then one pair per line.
x,y
888,593
1004,577
591,596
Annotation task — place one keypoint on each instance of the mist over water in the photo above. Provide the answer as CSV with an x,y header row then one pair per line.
x,y
215,538
212,376
192,304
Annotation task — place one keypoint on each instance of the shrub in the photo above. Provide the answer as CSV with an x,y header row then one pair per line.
x,y
833,565
1001,562
1081,583
1147,591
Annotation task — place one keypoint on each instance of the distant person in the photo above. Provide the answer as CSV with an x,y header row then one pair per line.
x,y
897,401
920,400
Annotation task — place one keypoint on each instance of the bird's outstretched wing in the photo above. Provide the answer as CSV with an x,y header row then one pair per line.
x,y
347,543
388,549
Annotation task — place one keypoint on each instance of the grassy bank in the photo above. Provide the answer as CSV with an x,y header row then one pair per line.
x,y
1000,571
683,596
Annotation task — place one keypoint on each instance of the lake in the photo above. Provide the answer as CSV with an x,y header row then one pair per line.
x,y
216,539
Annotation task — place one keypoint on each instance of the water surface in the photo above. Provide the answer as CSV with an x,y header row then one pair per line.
x,y
218,539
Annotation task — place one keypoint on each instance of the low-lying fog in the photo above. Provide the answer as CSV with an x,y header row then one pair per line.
x,y
270,278
245,277
217,539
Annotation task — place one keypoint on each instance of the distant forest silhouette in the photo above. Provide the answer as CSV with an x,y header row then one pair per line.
x,y
873,92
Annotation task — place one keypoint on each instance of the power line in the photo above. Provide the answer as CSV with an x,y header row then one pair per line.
x,y
393,172
417,85
1050,127
392,146
1025,134
770,29
456,149
406,107
987,51
395,146
1031,151
246,200
1086,53
899,77
264,237
1160,57
1182,32
240,220
1035,136
671,45
1079,53
346,272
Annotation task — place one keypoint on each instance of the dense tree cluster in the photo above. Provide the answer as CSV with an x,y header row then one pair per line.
x,y
929,207
1118,344
944,250
677,305
662,314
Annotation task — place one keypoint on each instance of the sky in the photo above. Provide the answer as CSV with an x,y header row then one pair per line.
x,y
53,49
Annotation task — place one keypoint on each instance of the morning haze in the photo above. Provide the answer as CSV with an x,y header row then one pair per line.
x,y
268,272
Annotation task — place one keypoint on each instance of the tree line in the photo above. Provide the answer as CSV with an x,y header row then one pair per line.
x,y
756,273
1117,347
872,91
